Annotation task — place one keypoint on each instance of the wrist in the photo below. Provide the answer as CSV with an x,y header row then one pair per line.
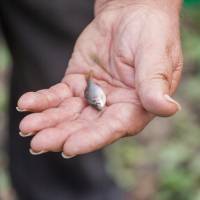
x,y
166,5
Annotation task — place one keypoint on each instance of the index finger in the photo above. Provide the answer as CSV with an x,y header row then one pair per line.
x,y
44,99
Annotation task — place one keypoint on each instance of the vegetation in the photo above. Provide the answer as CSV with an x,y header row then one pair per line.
x,y
163,162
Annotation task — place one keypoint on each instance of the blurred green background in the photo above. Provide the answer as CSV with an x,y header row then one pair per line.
x,y
190,2
161,163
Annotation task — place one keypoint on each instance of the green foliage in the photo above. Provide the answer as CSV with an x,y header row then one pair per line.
x,y
5,58
5,62
191,2
174,156
168,150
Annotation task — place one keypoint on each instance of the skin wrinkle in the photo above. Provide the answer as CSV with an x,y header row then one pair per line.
x,y
117,53
80,92
85,61
103,76
128,101
101,5
137,127
162,75
103,83
55,118
73,93
113,132
102,112
98,114
97,61
110,61
102,66
84,129
78,100
108,5
66,136
125,26
47,96
134,99
176,77
109,40
140,38
116,133
50,120
121,69
81,121
59,85
58,97
141,43
88,60
75,114
150,79
176,73
135,52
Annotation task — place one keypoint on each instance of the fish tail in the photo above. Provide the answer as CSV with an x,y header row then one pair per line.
x,y
89,75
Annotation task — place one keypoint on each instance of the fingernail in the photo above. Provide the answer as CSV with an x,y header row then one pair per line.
x,y
36,153
65,156
20,110
25,134
168,98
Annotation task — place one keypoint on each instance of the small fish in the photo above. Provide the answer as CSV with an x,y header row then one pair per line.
x,y
94,93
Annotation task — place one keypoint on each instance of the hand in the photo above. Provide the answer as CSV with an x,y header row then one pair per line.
x,y
135,54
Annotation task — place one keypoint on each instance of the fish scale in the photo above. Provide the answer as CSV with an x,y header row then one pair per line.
x,y
95,95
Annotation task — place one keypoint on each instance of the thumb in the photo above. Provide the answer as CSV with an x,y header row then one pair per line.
x,y
153,82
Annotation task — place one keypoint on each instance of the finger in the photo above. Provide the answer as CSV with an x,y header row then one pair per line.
x,y
52,139
107,129
90,139
119,95
68,110
177,57
154,70
44,99
77,83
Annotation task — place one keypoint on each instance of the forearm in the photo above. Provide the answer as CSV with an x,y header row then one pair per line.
x,y
172,5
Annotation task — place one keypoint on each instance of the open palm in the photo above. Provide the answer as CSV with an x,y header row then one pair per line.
x,y
135,63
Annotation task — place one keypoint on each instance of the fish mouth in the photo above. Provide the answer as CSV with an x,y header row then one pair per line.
x,y
99,107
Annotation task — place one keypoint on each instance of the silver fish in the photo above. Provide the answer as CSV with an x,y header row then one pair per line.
x,y
94,94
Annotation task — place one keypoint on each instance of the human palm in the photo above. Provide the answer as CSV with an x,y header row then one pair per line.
x,y
136,61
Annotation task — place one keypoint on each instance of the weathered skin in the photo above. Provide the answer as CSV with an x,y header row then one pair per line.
x,y
138,42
